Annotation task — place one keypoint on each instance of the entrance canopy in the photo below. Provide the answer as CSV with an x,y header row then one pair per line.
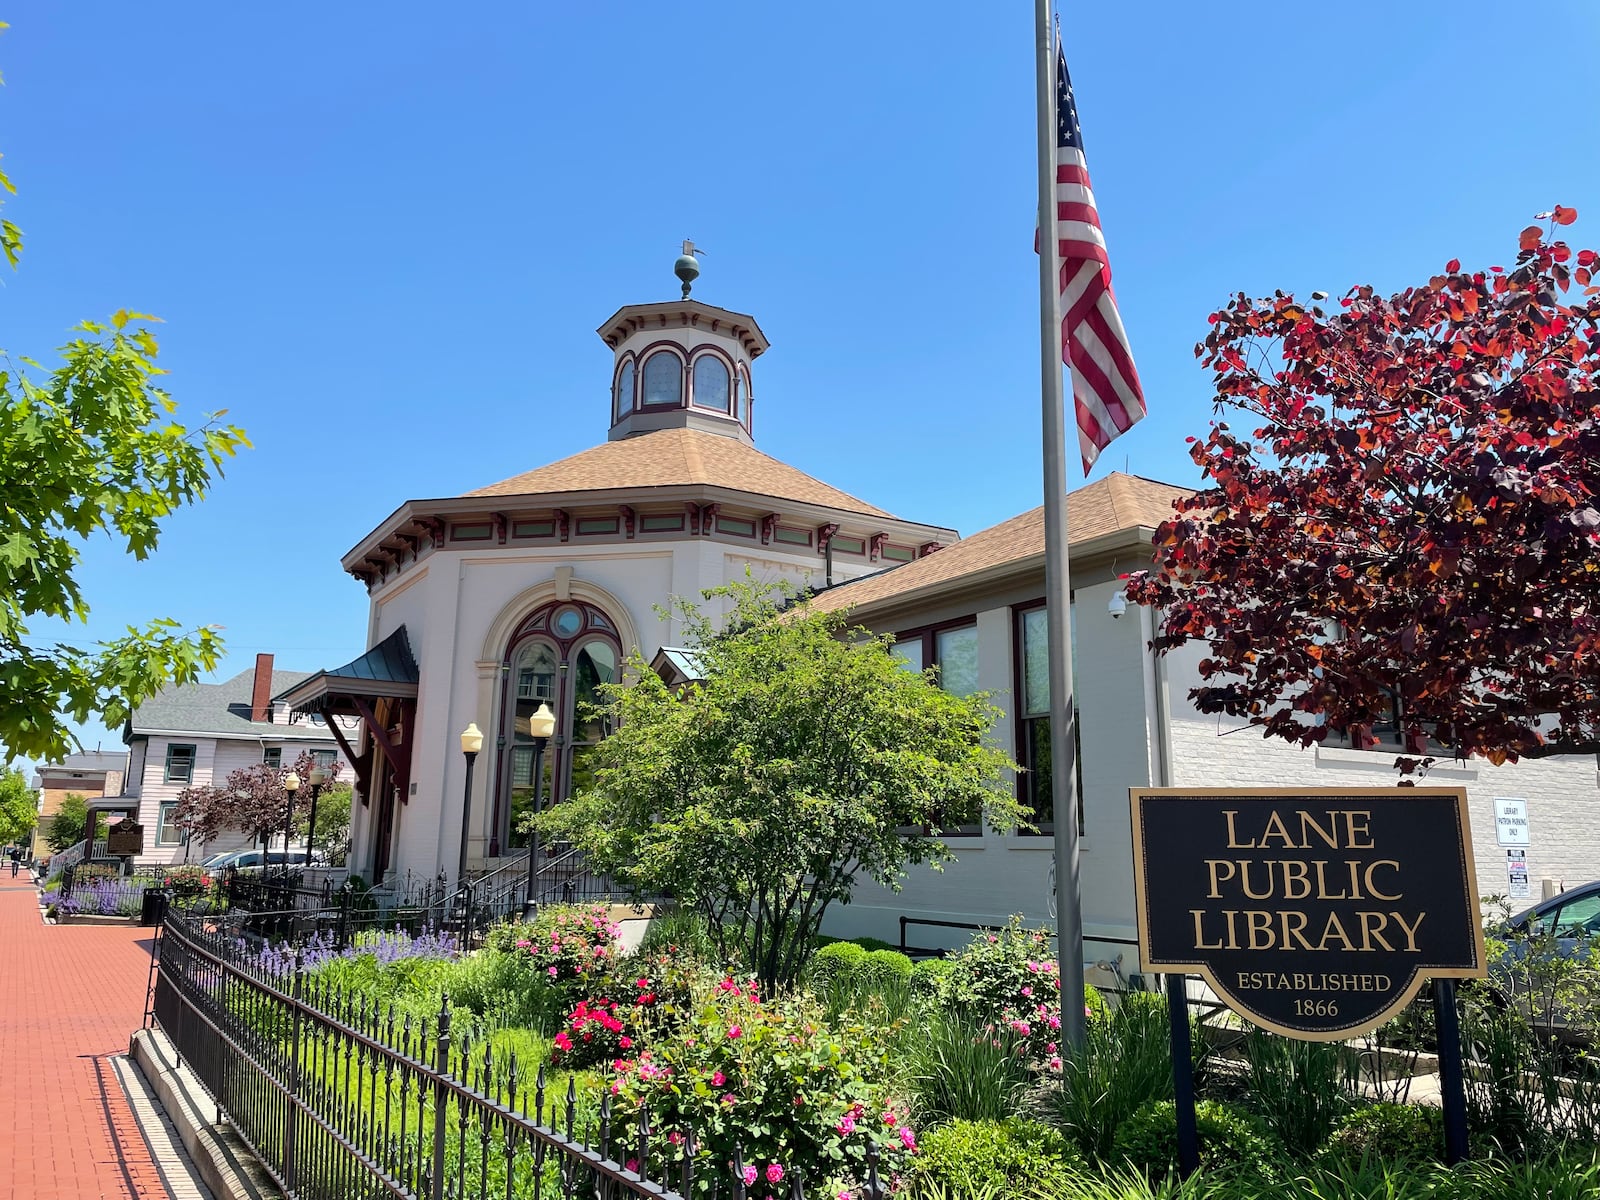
x,y
380,688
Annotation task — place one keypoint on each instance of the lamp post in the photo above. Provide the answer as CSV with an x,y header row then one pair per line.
x,y
291,785
318,776
471,743
540,726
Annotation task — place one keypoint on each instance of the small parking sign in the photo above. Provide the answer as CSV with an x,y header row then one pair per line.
x,y
1511,821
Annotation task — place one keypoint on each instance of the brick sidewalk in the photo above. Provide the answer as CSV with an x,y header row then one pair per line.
x,y
70,996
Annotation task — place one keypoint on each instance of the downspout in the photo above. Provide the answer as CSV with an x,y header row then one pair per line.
x,y
1157,702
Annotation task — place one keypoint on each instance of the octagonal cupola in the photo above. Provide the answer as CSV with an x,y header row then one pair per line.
x,y
682,364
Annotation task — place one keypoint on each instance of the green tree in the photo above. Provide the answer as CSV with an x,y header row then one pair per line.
x,y
806,759
19,807
86,448
66,825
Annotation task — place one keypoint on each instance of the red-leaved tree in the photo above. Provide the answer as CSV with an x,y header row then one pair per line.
x,y
1410,530
250,800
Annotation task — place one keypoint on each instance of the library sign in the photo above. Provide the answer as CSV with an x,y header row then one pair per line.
x,y
1316,913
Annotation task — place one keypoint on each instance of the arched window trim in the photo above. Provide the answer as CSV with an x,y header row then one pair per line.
x,y
728,365
646,357
741,396
539,626
617,411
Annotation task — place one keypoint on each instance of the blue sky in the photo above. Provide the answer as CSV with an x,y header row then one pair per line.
x,y
382,236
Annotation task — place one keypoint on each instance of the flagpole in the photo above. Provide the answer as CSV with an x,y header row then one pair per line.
x,y
1063,744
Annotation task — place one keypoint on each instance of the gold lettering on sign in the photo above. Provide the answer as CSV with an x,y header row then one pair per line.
x,y
1291,882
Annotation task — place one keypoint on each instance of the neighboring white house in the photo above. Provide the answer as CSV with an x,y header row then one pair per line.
x,y
536,589
199,733
977,610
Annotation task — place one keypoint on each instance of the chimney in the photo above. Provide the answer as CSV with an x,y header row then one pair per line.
x,y
261,693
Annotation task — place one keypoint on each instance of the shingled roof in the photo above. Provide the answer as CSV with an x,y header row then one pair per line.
x,y
674,458
1110,505
222,709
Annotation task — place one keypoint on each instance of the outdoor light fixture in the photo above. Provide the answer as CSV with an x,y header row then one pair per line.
x,y
471,743
318,776
540,726
291,785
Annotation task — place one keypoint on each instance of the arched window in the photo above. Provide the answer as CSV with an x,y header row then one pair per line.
x,y
663,380
710,383
739,390
625,389
560,655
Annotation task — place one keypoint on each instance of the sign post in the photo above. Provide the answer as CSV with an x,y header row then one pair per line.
x,y
1314,913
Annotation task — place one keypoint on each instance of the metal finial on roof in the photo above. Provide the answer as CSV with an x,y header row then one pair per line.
x,y
687,268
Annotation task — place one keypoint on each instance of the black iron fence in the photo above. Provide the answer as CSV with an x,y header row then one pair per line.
x,y
340,1099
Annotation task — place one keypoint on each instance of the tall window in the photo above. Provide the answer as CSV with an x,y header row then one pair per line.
x,y
625,389
663,380
954,650
1032,702
560,656
741,388
272,756
180,764
710,383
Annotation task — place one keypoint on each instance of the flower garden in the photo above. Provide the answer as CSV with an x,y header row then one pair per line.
x,y
946,1079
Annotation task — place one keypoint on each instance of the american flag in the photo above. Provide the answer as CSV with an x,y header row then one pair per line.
x,y
1105,383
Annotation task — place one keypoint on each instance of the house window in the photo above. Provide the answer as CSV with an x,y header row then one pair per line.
x,y
561,657
180,764
471,531
663,380
1031,690
168,831
323,759
740,390
710,383
272,756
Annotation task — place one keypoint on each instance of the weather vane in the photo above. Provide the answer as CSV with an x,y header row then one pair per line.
x,y
687,268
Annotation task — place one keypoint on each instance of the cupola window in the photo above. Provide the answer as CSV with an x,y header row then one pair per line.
x,y
738,397
663,380
710,383
625,389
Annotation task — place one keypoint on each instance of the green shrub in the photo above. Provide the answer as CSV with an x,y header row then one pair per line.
x,y
966,1160
1008,978
962,1071
869,944
1125,1064
882,969
773,1077
836,963
502,988
1094,1004
1387,1132
929,978
1300,1088
1231,1142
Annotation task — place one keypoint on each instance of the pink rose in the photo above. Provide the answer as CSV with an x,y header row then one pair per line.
x,y
632,1164
750,1175
625,1042
734,1031
847,1125
774,1173
908,1139
552,972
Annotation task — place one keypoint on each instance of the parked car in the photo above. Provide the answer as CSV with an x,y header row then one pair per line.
x,y
1551,968
246,860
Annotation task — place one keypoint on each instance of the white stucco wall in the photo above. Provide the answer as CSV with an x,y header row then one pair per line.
x,y
450,605
998,875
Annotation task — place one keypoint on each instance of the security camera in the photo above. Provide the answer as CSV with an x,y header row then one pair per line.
x,y
1118,604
